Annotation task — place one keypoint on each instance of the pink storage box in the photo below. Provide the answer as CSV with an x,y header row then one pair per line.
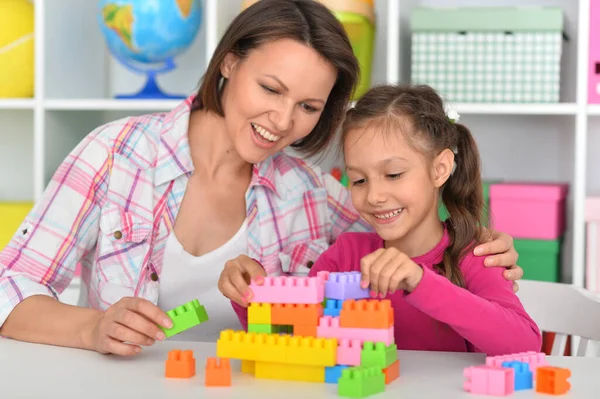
x,y
594,58
529,210
592,245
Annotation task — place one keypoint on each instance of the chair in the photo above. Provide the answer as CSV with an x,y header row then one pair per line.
x,y
566,310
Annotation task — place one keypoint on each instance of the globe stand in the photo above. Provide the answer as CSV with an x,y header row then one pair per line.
x,y
151,89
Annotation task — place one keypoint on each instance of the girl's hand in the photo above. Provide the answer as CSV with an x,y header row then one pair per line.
x,y
125,327
503,254
236,277
387,270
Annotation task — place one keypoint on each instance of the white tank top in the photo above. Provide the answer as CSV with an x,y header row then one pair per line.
x,y
185,277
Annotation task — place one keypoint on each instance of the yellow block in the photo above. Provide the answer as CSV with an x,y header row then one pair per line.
x,y
12,215
290,372
275,348
259,313
248,366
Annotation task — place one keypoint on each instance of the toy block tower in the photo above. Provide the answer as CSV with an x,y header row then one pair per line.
x,y
312,329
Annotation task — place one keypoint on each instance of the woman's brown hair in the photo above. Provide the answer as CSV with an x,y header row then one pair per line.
x,y
418,112
306,21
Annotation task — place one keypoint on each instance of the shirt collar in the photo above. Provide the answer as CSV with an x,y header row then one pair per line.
x,y
175,159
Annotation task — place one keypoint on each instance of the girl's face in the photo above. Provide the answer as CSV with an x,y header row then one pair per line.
x,y
394,187
274,97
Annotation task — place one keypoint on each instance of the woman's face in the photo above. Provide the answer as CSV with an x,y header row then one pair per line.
x,y
274,96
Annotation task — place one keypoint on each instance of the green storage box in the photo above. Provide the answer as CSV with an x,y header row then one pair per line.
x,y
540,259
443,213
488,54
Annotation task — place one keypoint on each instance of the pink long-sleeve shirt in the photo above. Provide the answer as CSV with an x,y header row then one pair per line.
x,y
485,316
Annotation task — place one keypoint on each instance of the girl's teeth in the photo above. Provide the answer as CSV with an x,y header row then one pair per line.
x,y
264,133
389,214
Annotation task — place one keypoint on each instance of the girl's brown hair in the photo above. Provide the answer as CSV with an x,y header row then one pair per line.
x,y
418,113
306,21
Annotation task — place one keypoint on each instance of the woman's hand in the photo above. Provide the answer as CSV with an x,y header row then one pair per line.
x,y
503,254
236,277
126,326
387,270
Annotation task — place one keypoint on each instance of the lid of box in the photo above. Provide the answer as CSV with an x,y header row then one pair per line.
x,y
531,191
487,19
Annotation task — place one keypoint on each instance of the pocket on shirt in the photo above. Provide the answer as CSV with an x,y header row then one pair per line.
x,y
299,258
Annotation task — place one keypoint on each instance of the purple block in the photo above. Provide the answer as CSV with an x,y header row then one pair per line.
x,y
342,286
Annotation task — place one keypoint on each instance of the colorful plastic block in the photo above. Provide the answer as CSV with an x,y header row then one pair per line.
x,y
348,352
333,374
185,317
344,286
489,380
534,359
289,372
259,313
263,328
286,289
217,374
523,376
180,364
296,314
305,330
378,354
367,313
359,382
392,372
277,348
333,307
329,327
248,366
552,380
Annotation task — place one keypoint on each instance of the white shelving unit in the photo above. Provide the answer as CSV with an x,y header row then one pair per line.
x,y
76,80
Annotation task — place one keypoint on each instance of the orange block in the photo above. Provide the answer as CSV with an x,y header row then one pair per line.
x,y
392,372
304,330
180,364
217,374
552,380
295,314
367,313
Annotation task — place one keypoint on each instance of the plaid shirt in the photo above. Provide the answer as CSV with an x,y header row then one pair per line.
x,y
112,203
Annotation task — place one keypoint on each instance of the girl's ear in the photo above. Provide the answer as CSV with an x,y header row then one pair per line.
x,y
228,64
442,167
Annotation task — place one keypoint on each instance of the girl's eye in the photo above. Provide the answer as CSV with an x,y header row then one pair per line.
x,y
358,182
308,108
269,90
395,176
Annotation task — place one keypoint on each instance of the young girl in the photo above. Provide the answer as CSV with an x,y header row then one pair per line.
x,y
402,153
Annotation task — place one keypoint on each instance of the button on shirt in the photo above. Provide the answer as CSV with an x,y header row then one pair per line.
x,y
112,204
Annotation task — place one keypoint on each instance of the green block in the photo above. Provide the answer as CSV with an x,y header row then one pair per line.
x,y
540,259
185,317
264,328
360,382
378,354
344,180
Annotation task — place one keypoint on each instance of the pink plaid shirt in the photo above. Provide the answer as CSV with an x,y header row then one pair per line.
x,y
112,203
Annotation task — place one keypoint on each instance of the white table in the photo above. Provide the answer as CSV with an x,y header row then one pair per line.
x,y
40,371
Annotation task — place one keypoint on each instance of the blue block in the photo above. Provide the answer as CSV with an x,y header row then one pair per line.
x,y
333,307
333,374
523,376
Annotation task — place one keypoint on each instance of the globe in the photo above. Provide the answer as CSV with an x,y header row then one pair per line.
x,y
146,35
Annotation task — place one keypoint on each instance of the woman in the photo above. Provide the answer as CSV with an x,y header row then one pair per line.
x,y
153,206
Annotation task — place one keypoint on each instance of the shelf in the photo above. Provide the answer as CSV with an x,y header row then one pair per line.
x,y
516,109
17,103
109,105
593,109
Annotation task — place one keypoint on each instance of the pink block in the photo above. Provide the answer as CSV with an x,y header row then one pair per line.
x,y
534,359
489,380
329,327
285,289
534,211
594,56
348,352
